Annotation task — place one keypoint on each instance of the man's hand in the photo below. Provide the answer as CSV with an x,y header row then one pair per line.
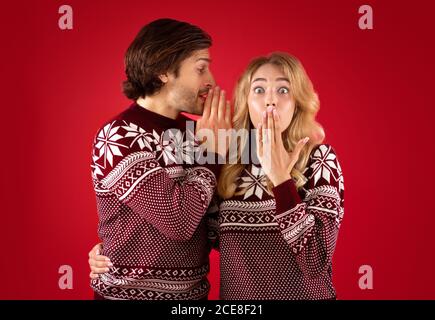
x,y
98,263
216,115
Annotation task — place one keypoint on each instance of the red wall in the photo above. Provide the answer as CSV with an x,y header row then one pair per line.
x,y
374,87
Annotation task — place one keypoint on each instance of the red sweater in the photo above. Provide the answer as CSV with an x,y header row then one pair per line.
x,y
150,210
280,245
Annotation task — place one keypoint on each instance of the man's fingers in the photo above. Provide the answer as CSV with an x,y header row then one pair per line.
x,y
215,103
99,270
221,106
96,250
101,258
207,104
228,114
93,275
99,264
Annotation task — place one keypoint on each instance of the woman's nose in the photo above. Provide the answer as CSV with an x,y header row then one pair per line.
x,y
270,99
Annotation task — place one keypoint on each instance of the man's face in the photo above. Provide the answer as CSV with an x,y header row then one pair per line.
x,y
188,91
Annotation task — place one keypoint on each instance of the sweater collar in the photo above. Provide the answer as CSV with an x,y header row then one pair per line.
x,y
154,117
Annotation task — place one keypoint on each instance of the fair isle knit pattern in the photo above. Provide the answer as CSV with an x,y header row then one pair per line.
x,y
150,209
280,246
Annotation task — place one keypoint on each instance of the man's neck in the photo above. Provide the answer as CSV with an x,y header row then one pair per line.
x,y
159,106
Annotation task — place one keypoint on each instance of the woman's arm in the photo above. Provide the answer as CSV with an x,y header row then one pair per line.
x,y
310,225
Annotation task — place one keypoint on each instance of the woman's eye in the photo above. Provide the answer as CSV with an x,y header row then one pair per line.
x,y
258,90
283,90
201,70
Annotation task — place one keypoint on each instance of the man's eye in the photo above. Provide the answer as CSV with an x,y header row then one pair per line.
x,y
258,90
283,90
202,70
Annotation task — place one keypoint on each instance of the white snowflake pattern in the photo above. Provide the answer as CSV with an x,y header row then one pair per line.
x,y
95,166
184,146
255,183
165,147
107,145
140,136
324,166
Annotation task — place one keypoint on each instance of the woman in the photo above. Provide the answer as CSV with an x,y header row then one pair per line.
x,y
279,220
279,214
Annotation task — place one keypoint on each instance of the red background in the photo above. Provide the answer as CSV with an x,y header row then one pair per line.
x,y
374,87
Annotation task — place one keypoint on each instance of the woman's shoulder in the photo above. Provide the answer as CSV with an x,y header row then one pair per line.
x,y
323,166
322,149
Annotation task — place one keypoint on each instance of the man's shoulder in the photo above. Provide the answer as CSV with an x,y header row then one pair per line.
x,y
119,137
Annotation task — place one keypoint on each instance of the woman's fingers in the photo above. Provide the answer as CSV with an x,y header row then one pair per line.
x,y
297,150
270,133
277,128
264,127
259,140
272,127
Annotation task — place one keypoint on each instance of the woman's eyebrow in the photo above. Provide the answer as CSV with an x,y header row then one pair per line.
x,y
282,79
277,79
259,79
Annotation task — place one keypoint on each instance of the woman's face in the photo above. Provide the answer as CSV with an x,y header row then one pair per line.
x,y
270,87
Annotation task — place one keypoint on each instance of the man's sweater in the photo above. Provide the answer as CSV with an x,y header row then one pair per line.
x,y
150,209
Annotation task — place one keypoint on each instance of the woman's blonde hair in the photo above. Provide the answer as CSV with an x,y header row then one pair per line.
x,y
302,124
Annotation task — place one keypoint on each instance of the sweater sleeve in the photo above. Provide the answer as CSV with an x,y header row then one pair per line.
x,y
212,219
310,225
172,199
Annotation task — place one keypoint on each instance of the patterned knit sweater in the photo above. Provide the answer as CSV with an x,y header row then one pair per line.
x,y
150,209
279,245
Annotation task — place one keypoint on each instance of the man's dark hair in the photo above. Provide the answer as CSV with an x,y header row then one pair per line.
x,y
159,47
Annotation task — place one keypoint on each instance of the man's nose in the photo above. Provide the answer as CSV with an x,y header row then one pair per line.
x,y
210,83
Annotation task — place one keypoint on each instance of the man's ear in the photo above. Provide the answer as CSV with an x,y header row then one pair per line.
x,y
164,78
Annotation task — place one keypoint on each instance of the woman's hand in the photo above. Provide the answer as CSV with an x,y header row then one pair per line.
x,y
98,263
276,162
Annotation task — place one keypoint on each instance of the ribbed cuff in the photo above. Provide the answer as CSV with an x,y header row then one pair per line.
x,y
286,196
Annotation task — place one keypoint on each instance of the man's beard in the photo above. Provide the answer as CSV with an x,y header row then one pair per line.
x,y
188,101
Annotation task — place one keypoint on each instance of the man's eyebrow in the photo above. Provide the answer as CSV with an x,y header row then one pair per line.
x,y
205,59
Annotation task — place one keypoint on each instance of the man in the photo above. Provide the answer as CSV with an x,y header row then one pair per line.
x,y
151,207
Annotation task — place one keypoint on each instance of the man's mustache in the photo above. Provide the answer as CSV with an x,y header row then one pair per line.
x,y
203,91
